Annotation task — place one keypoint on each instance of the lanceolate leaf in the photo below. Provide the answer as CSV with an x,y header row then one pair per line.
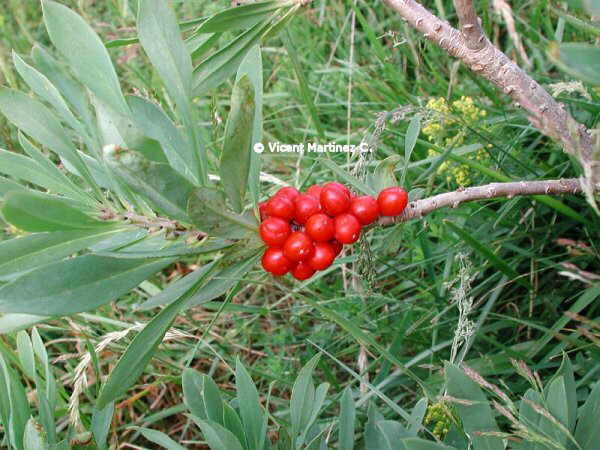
x,y
161,185
87,56
235,159
580,60
35,212
216,287
252,67
76,285
153,121
215,69
207,210
243,16
26,253
161,38
7,186
476,417
139,353
34,119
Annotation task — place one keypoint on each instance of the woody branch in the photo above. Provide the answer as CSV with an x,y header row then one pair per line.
x,y
419,208
471,46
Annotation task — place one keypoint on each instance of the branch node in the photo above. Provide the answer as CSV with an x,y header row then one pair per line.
x,y
419,21
437,27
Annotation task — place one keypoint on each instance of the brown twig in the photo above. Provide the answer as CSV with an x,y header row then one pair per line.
x,y
472,47
419,208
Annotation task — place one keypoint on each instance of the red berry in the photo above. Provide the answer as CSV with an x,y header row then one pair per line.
x,y
306,206
392,201
290,192
347,228
302,271
365,209
315,191
334,200
275,262
298,247
262,209
337,247
323,256
341,186
320,227
274,231
281,206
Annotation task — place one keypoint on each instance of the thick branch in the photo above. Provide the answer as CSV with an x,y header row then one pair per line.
x,y
545,112
419,208
469,24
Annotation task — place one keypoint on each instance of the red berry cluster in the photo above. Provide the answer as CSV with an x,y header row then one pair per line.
x,y
305,232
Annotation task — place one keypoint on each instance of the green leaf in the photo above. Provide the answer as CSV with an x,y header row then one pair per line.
x,y
33,438
417,415
410,140
71,90
302,401
414,443
7,186
9,323
160,438
580,60
76,285
252,67
62,183
193,385
241,17
18,407
212,400
476,417
587,433
486,253
154,122
161,185
556,401
142,348
161,39
101,421
566,372
232,422
218,437
235,159
25,352
384,176
44,88
26,169
85,53
250,408
32,211
347,420
28,252
37,121
217,68
208,211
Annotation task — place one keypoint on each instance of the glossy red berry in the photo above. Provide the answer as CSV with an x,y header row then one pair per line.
x,y
274,231
337,247
392,201
341,186
290,192
275,262
347,228
320,227
365,209
262,209
334,200
302,271
306,206
298,247
315,191
323,256
281,206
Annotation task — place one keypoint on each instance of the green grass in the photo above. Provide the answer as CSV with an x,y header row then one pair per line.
x,y
403,315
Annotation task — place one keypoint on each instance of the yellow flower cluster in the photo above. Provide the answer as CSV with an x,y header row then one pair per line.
x,y
442,416
439,129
